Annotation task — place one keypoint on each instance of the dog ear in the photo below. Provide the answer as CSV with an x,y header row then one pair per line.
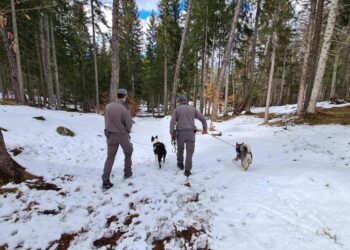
x,y
156,136
152,138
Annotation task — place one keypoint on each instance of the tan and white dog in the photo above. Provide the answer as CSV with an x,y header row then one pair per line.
x,y
244,154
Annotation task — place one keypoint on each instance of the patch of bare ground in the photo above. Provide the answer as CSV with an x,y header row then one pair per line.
x,y
4,247
109,242
30,206
129,218
64,242
187,234
271,115
40,184
336,115
110,220
8,102
5,191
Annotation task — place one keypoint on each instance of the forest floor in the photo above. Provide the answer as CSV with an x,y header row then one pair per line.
x,y
339,114
294,196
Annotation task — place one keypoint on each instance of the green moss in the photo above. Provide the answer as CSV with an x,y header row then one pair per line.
x,y
65,131
17,151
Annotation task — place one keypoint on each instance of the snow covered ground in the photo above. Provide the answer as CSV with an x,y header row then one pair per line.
x,y
292,108
294,196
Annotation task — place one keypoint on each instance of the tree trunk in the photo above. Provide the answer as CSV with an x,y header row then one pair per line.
x,y
179,57
345,83
226,96
226,59
55,68
115,52
165,108
315,50
41,88
95,54
269,88
323,57
12,63
195,84
204,65
10,170
283,81
18,56
28,85
46,57
334,76
251,65
308,43
2,83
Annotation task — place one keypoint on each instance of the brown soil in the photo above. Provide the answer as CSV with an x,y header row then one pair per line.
x,y
109,242
110,220
128,219
65,240
8,102
30,206
158,244
41,185
4,191
4,247
186,234
336,115
271,115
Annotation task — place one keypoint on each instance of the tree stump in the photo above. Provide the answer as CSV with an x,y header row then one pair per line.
x,y
10,170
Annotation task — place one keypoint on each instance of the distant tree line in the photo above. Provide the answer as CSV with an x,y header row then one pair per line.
x,y
225,56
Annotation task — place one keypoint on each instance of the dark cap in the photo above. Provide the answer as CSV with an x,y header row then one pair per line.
x,y
122,91
181,98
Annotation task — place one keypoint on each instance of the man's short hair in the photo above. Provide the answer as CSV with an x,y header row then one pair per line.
x,y
120,96
182,99
121,93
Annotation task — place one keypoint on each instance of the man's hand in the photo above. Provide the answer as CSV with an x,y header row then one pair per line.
x,y
204,132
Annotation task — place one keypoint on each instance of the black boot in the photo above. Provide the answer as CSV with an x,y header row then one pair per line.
x,y
180,166
107,184
127,175
187,173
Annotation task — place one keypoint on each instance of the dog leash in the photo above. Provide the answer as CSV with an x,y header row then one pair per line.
x,y
139,143
222,140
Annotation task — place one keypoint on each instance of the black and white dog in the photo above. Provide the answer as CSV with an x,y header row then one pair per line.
x,y
159,150
244,154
